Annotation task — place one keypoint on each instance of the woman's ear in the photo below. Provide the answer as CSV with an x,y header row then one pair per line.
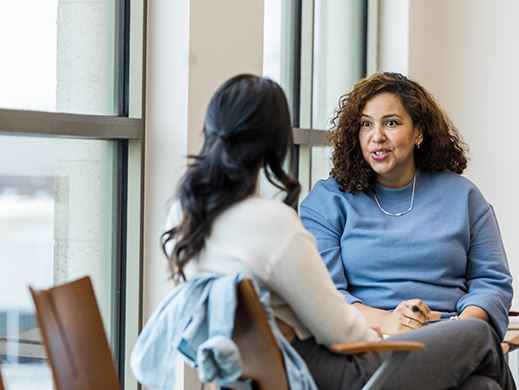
x,y
419,136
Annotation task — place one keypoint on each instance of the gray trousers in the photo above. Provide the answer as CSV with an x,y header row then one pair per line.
x,y
462,354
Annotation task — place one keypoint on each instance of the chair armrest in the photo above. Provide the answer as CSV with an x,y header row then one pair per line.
x,y
399,350
511,341
508,347
377,346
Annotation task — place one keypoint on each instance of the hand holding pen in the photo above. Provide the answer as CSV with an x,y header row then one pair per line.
x,y
408,315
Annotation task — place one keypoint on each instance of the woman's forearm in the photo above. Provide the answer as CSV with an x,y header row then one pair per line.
x,y
474,312
375,317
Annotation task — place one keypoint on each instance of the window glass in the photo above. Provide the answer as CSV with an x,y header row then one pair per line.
x,y
321,162
339,54
316,49
58,55
279,45
57,207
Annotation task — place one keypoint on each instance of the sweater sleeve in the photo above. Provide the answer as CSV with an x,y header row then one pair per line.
x,y
300,278
488,277
325,221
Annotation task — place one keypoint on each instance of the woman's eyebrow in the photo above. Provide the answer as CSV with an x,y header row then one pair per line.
x,y
385,116
392,115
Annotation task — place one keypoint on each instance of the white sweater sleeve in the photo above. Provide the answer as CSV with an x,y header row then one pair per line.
x,y
301,279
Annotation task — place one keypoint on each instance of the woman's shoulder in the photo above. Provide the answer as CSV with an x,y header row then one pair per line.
x,y
326,198
449,179
265,204
328,185
264,211
322,191
453,184
260,226
174,216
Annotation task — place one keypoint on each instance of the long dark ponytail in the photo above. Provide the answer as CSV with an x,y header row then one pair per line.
x,y
247,126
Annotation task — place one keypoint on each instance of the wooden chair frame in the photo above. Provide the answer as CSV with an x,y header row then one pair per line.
x,y
74,337
259,349
1,382
77,347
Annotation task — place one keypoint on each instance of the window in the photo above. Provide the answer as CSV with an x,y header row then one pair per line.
x,y
70,133
56,204
338,54
317,50
61,56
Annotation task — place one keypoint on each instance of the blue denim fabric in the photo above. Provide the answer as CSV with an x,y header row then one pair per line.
x,y
181,323
197,319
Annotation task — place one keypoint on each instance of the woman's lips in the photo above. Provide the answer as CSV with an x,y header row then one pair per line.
x,y
380,154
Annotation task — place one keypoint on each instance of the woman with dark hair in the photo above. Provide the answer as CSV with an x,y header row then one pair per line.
x,y
222,227
396,224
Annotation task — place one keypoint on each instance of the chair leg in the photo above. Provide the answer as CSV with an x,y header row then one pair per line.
x,y
386,369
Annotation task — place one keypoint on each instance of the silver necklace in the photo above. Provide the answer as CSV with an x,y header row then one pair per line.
x,y
402,212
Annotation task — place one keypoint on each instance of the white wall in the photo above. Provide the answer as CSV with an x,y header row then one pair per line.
x,y
465,52
393,36
193,47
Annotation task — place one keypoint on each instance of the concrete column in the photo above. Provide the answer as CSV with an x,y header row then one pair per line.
x,y
84,168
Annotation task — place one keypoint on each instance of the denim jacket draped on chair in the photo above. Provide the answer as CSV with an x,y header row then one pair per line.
x,y
197,319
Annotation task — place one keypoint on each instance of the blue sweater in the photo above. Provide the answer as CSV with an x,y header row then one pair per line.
x,y
447,251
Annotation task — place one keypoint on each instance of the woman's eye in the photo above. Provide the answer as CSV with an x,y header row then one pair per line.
x,y
365,124
391,123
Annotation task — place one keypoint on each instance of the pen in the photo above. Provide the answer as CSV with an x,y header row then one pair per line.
x,y
415,308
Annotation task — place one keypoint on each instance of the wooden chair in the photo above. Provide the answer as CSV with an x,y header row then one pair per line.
x,y
511,339
262,360
74,338
1,382
256,342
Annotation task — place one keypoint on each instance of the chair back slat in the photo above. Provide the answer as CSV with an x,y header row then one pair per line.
x,y
74,337
261,356
54,340
1,382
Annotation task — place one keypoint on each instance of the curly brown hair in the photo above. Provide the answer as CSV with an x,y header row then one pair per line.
x,y
442,147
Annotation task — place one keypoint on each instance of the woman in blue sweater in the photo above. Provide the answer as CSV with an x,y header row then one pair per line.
x,y
396,224
220,226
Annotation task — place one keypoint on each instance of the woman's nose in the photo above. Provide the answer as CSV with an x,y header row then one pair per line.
x,y
378,135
